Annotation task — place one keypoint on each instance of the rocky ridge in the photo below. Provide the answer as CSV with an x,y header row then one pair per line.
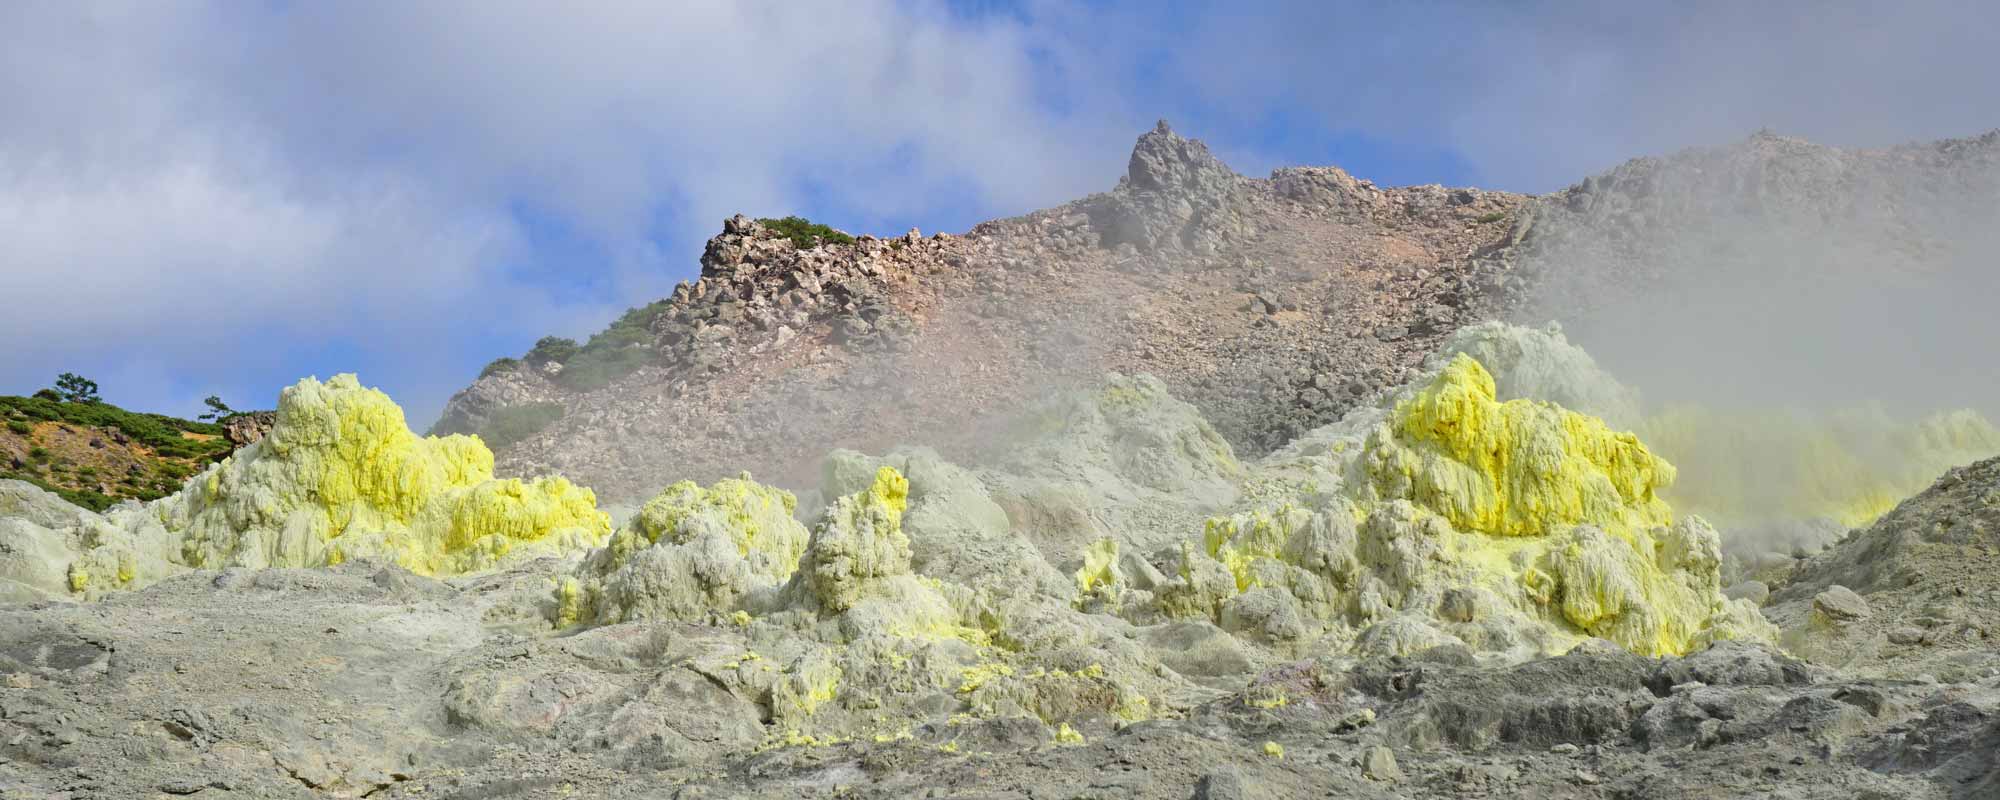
x,y
1271,304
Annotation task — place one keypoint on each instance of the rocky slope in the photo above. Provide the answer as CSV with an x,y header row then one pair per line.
x,y
1271,304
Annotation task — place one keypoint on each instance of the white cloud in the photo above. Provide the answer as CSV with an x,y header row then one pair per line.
x,y
194,193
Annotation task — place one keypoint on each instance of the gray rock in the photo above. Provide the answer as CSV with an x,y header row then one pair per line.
x,y
1226,784
1840,604
1753,591
1379,763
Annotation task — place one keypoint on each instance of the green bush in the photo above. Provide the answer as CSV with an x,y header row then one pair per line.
x,y
88,498
20,427
500,365
552,348
38,453
805,233
598,369
515,423
615,351
1490,218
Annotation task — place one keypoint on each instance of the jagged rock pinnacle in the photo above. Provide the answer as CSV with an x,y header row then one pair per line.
x,y
1164,161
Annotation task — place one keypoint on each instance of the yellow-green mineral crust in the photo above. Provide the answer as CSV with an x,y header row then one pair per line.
x,y
341,476
1514,526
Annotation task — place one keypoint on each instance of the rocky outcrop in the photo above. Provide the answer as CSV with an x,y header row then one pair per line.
x,y
1913,593
1174,196
242,429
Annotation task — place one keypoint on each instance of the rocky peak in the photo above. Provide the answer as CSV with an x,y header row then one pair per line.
x,y
1175,196
1164,161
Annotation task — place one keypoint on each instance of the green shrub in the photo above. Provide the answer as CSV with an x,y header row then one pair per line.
x,y
600,368
38,453
1490,218
614,352
805,233
20,427
88,498
515,423
552,348
500,365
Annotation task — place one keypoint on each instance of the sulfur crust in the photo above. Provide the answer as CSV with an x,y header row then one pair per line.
x,y
1097,570
342,477
1518,468
1510,526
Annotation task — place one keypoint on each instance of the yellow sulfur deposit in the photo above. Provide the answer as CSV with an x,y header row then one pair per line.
x,y
1098,570
1518,468
757,518
689,554
1516,527
860,542
341,476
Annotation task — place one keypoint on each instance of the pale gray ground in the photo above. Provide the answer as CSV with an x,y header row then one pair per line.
x,y
364,680
359,681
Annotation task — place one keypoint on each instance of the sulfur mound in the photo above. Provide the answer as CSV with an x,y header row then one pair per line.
x,y
688,554
1516,468
1514,528
339,477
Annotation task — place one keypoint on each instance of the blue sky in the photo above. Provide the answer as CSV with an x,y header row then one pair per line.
x,y
223,197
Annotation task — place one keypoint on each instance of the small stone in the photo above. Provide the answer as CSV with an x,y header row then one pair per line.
x,y
1355,720
1223,785
1565,749
1587,778
1840,604
1906,635
1379,763
1753,591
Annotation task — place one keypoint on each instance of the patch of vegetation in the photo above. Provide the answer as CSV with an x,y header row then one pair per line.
x,y
805,233
515,423
613,352
22,428
158,431
1490,218
552,348
499,365
38,453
